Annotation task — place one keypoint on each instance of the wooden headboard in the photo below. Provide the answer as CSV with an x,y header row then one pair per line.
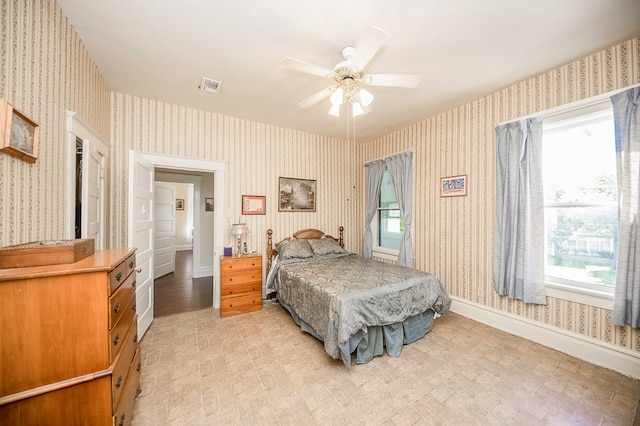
x,y
307,234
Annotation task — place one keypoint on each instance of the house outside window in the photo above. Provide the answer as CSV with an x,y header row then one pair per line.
x,y
581,209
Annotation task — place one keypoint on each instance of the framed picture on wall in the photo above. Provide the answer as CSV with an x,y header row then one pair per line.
x,y
20,135
297,195
179,203
453,186
253,204
208,204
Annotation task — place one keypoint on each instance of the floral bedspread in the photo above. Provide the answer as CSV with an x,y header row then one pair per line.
x,y
339,296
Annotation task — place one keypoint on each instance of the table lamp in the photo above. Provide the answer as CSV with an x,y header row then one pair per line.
x,y
239,230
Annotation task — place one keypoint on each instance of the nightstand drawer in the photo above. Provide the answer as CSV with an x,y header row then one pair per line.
x,y
234,305
239,263
241,289
240,277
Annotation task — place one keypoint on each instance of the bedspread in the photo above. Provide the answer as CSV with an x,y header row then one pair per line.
x,y
340,296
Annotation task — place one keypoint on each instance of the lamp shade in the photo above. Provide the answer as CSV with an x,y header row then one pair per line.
x,y
239,229
335,110
337,97
365,97
357,109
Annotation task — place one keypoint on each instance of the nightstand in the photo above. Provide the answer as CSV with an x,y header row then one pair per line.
x,y
240,284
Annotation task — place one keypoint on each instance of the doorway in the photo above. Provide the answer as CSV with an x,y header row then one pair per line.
x,y
140,230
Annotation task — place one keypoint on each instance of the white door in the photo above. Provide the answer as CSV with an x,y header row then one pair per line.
x,y
165,229
93,194
141,235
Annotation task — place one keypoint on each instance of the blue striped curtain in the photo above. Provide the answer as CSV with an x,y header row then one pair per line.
x,y
626,115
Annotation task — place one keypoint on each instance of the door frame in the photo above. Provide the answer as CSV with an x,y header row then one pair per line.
x,y
78,128
194,164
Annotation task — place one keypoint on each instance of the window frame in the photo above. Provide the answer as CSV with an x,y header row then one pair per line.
x,y
576,291
378,250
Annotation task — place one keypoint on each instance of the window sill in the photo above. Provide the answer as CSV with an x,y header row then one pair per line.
x,y
597,298
385,253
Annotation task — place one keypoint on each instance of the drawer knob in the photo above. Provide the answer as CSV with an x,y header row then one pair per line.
x,y
139,367
131,263
253,264
138,270
133,284
121,422
119,382
118,276
116,340
116,308
135,340
230,291
253,276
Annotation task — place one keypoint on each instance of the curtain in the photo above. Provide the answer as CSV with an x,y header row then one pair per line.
x,y
375,170
400,167
626,115
518,264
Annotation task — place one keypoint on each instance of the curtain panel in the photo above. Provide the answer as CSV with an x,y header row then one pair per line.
x,y
518,265
626,115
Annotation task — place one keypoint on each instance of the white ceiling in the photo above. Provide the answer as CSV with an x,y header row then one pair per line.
x,y
463,49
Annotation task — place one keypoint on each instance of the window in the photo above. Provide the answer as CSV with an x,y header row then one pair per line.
x,y
389,223
581,209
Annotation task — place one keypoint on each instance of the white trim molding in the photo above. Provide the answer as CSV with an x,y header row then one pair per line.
x,y
582,347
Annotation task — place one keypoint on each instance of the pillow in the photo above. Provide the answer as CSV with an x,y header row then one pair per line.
x,y
326,246
295,249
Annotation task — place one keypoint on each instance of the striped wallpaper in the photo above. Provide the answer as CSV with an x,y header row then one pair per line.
x,y
45,70
454,236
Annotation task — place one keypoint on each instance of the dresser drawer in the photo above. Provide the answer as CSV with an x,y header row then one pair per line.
x,y
239,263
242,276
123,411
130,264
117,276
233,305
123,362
119,331
120,299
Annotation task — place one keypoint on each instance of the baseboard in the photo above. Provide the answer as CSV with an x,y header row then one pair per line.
x,y
585,348
205,271
185,247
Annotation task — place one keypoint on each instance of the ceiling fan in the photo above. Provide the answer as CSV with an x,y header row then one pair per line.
x,y
349,77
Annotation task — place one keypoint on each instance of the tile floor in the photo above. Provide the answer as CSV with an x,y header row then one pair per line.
x,y
260,369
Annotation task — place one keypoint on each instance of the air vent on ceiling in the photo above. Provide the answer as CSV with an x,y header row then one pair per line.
x,y
210,85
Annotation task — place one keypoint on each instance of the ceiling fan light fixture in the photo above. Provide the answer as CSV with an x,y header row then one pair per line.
x,y
357,109
335,110
337,98
365,97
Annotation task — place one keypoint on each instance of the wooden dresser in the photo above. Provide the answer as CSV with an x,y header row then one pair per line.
x,y
68,342
240,284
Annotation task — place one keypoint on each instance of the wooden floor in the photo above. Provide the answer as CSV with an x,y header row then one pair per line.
x,y
179,292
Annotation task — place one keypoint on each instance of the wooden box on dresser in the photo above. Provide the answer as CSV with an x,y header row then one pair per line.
x,y
68,342
240,284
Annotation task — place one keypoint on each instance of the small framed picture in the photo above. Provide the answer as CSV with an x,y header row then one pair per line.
x,y
297,195
253,204
208,204
179,203
453,186
20,135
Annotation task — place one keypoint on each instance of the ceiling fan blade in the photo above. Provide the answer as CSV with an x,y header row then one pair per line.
x,y
367,48
409,81
316,97
306,68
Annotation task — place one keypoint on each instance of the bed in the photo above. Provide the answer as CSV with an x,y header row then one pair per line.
x,y
357,307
